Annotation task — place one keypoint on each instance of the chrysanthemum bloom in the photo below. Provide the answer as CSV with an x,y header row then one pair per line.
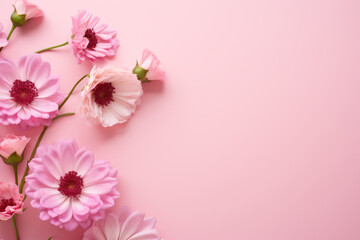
x,y
29,95
91,40
11,201
149,68
24,10
110,96
3,36
69,187
125,225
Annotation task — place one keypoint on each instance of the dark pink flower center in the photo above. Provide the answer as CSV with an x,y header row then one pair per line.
x,y
91,36
71,184
23,92
6,202
103,94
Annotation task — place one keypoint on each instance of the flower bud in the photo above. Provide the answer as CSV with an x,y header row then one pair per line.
x,y
12,149
152,65
24,10
140,72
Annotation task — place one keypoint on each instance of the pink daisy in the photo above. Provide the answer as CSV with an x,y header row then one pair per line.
x,y
3,36
11,201
90,40
110,96
69,187
125,225
29,95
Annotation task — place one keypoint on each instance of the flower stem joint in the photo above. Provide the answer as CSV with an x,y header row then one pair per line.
x,y
140,72
18,20
13,160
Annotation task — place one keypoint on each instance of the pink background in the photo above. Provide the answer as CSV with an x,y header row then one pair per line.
x,y
256,133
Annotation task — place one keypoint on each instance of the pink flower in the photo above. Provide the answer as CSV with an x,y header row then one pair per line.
x,y
11,201
29,95
13,144
30,10
3,36
90,40
69,187
110,96
155,69
125,225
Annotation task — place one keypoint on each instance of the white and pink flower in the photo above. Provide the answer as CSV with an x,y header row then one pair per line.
x,y
11,201
110,96
125,225
69,187
92,40
29,95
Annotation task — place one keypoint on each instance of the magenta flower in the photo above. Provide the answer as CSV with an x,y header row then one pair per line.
x,y
125,225
3,36
110,96
11,201
90,40
69,187
29,95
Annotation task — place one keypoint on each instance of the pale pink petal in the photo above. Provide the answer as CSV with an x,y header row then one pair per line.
x,y
112,227
125,225
131,224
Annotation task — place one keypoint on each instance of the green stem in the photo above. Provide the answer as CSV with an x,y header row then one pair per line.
x,y
9,35
22,183
72,90
63,115
15,227
21,188
49,48
11,32
16,174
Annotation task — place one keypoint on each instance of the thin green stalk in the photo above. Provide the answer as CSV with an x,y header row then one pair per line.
x,y
22,183
53,47
16,174
11,32
15,227
72,90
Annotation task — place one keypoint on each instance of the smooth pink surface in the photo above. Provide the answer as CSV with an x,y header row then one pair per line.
x,y
255,134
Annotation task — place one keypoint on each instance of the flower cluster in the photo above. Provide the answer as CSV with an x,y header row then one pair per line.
x,y
65,182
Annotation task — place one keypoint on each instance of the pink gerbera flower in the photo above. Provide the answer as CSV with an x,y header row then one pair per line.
x,y
90,40
11,201
125,225
29,95
3,36
69,187
110,96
